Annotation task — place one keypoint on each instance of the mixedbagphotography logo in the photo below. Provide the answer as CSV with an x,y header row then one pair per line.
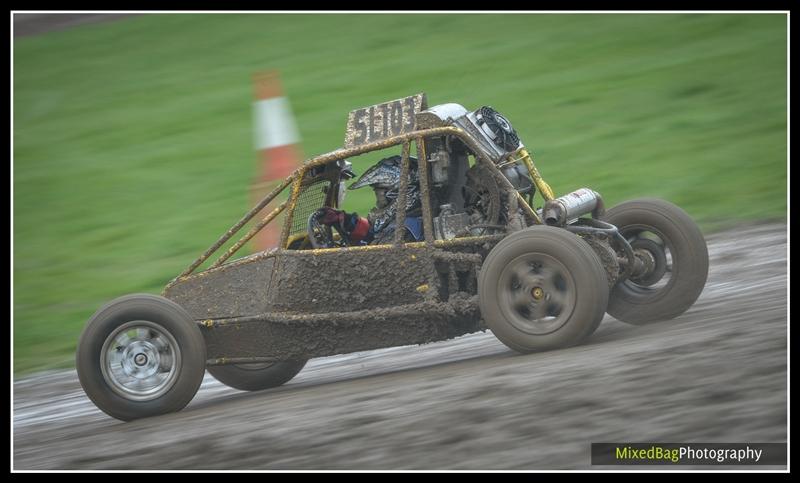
x,y
688,453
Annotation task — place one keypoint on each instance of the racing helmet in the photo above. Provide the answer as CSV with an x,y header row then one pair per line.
x,y
384,178
385,174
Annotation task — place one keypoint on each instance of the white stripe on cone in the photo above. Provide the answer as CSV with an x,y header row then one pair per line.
x,y
277,142
274,123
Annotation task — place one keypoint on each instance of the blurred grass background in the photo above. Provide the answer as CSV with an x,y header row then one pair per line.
x,y
133,144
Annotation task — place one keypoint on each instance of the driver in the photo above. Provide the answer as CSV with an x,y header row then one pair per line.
x,y
379,225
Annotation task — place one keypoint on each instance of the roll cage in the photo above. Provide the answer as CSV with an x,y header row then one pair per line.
x,y
316,172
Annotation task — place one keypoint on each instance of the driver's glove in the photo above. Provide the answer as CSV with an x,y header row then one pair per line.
x,y
356,227
330,216
353,225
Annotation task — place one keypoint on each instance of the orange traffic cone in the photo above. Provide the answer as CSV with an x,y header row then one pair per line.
x,y
278,144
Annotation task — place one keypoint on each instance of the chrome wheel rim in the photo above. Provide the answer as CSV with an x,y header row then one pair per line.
x,y
140,360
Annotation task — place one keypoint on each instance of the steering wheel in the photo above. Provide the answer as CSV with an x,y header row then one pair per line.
x,y
321,235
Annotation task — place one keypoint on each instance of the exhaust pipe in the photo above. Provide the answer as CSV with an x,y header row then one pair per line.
x,y
559,211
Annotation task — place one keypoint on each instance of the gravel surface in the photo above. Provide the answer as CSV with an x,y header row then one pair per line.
x,y
718,373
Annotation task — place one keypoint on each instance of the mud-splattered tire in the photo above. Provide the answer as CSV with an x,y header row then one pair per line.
x,y
542,288
257,376
667,235
141,355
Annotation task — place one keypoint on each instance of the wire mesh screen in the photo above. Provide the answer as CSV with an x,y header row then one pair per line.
x,y
311,198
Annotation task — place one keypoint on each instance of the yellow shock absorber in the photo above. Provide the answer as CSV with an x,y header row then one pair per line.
x,y
541,184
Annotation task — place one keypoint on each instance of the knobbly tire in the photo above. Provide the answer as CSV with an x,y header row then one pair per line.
x,y
665,236
256,376
141,355
542,288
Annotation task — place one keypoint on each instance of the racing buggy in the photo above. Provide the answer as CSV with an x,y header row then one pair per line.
x,y
539,271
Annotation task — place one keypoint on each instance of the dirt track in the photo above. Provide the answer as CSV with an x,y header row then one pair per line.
x,y
716,374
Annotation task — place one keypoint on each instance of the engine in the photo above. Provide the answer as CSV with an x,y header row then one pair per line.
x,y
480,203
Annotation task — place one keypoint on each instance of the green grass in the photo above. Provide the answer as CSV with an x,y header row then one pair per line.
x,y
133,139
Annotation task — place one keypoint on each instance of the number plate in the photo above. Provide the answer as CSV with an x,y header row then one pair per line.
x,y
381,121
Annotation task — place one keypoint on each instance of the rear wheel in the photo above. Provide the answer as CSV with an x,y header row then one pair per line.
x,y
141,355
672,258
257,376
542,288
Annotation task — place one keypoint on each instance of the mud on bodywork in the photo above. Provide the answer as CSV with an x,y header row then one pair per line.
x,y
288,304
237,288
288,336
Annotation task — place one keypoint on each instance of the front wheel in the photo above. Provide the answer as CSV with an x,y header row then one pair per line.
x,y
542,288
672,257
141,355
256,376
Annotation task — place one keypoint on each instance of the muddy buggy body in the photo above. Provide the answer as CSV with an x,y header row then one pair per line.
x,y
538,278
